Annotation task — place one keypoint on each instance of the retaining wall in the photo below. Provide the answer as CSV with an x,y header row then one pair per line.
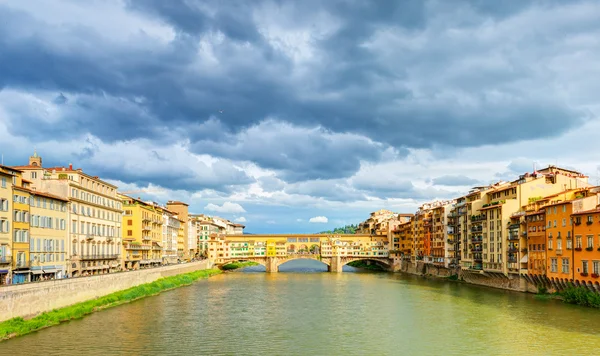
x,y
33,298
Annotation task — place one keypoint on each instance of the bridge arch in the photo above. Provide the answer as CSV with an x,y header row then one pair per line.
x,y
260,261
381,261
294,257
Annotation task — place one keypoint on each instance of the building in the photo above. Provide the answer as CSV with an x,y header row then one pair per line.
x,y
49,236
142,233
6,199
472,251
201,227
21,266
171,227
187,248
502,229
586,254
422,228
440,248
94,219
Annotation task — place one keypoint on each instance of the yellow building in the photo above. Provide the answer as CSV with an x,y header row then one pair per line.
x,y
20,227
142,233
6,212
95,214
49,236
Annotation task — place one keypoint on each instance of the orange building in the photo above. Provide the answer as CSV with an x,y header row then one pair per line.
x,y
558,240
586,255
536,242
559,234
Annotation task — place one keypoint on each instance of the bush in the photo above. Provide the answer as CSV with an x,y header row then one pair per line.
x,y
581,296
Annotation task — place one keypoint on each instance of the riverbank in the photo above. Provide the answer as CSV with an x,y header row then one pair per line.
x,y
19,326
238,265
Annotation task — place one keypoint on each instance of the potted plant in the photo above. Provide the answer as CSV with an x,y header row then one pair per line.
x,y
589,248
577,248
594,275
583,274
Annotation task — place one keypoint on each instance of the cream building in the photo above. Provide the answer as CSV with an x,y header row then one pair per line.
x,y
95,215
6,180
170,234
49,236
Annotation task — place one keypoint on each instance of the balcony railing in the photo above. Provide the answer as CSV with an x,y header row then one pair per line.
x,y
513,237
23,264
5,259
512,250
98,257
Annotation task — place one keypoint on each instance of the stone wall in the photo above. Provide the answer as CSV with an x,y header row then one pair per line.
x,y
33,298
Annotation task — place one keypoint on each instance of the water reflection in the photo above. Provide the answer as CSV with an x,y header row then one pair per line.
x,y
303,311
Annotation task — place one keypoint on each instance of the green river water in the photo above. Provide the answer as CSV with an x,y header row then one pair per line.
x,y
306,311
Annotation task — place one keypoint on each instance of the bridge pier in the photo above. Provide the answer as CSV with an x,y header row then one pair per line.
x,y
271,265
336,265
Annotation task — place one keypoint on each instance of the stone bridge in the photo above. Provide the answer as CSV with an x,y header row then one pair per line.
x,y
272,251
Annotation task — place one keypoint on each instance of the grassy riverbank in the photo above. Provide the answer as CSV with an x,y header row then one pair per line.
x,y
364,265
19,326
237,265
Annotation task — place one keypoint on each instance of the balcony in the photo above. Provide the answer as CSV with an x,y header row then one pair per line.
x,y
5,259
146,228
513,237
559,252
512,250
98,257
477,240
476,218
146,238
477,229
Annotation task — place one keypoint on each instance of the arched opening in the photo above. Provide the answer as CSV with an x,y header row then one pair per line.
x,y
314,249
291,249
366,264
303,249
303,265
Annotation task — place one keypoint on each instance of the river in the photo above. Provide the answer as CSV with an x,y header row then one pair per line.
x,y
302,311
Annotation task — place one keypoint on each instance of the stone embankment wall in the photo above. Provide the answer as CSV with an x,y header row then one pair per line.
x,y
33,298
495,280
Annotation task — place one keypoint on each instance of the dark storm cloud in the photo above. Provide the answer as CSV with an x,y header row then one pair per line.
x,y
356,85
296,153
458,180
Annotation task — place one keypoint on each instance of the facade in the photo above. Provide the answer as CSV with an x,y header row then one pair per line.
x,y
170,233
95,215
21,264
440,248
49,236
186,249
201,227
142,234
586,254
6,201
501,222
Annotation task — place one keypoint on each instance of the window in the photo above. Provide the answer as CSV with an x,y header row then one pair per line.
x,y
596,267
129,233
590,219
559,244
129,222
569,244
554,223
578,241
554,210
590,241
565,265
564,208
3,182
584,267
564,222
549,244
4,226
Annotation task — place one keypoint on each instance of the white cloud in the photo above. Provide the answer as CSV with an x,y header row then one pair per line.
x,y
241,219
299,220
227,207
318,219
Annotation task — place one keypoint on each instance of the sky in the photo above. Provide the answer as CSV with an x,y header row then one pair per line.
x,y
301,116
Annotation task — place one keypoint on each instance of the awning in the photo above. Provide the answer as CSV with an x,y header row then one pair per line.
x,y
3,271
37,271
26,271
49,270
524,259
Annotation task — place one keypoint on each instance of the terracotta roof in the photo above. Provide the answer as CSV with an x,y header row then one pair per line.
x,y
591,211
48,195
176,202
27,167
26,181
10,168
